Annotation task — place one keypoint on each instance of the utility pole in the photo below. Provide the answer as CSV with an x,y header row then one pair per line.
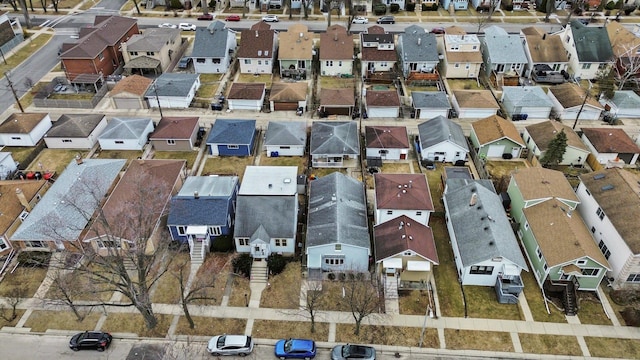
x,y
6,74
155,90
584,101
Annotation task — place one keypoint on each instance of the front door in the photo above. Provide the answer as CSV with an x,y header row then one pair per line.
x,y
260,250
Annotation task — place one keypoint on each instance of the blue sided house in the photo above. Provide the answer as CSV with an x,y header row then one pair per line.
x,y
231,137
203,210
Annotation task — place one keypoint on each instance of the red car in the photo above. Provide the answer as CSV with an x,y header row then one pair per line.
x,y
232,18
205,17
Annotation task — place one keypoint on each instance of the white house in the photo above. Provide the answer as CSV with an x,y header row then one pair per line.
x,y
402,195
246,96
213,48
336,51
568,100
24,129
589,49
257,51
429,104
526,100
7,165
285,138
611,146
126,134
442,140
173,90
75,131
386,142
503,53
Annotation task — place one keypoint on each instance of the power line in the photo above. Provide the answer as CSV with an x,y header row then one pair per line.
x,y
13,91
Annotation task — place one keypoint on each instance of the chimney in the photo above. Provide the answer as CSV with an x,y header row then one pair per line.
x,y
257,33
473,200
23,199
335,36
78,159
196,195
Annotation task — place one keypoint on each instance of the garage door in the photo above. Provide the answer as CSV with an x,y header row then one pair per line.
x,y
495,151
337,111
285,105
127,103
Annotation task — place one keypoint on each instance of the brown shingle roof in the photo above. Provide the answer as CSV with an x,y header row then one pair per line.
x,y
246,91
339,97
256,44
175,128
476,99
386,137
545,48
293,46
106,31
134,84
561,238
540,183
618,195
392,239
288,92
402,191
21,123
571,95
610,140
623,41
373,54
494,128
542,134
383,98
464,56
10,206
336,44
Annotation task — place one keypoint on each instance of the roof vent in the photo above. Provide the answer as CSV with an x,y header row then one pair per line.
x,y
473,200
196,195
598,176
607,187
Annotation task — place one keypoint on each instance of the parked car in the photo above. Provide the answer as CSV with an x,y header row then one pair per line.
x,y
60,88
270,18
168,25
360,20
232,18
92,340
386,20
349,351
187,27
230,345
205,17
184,62
295,349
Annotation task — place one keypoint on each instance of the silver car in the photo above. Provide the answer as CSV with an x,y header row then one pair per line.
x,y
230,345
349,351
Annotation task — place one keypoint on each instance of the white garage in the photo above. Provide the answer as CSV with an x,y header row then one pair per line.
x,y
495,151
383,104
246,96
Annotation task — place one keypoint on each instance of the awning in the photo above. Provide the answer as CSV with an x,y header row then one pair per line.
x,y
571,269
142,62
196,230
395,263
418,266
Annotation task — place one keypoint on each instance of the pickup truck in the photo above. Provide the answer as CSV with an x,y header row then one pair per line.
x,y
545,74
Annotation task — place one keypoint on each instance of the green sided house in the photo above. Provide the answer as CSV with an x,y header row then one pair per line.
x,y
562,253
495,137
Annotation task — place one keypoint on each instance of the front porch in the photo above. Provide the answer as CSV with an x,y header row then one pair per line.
x,y
334,162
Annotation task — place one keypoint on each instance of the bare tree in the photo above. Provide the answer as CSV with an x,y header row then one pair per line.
x,y
13,299
627,63
363,297
135,3
200,289
25,13
309,301
13,4
203,6
485,13
305,7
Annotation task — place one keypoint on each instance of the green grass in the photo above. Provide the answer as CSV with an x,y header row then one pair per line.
x,y
413,302
23,280
536,302
190,156
446,275
550,344
478,340
387,335
41,320
54,159
271,329
227,165
483,303
613,347
134,323
591,312
19,153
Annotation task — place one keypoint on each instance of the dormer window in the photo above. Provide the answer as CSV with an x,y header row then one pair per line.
x,y
23,215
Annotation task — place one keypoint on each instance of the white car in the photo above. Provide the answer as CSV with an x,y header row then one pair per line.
x,y
168,25
360,20
270,18
230,345
187,27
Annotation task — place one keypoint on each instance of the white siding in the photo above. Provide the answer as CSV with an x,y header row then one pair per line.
x,y
127,144
382,112
391,154
426,113
253,105
256,66
338,67
382,215
355,258
77,143
295,150
452,152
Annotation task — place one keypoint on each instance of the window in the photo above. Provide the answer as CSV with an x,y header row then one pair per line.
x,y
215,61
182,230
133,53
418,213
151,53
232,147
604,249
602,66
215,230
247,61
475,47
593,229
66,140
266,62
456,65
16,138
108,244
455,47
586,66
3,244
467,66
389,212
285,147
119,142
545,267
568,39
23,215
333,261
259,62
587,191
481,270
171,142
243,242
590,272
539,253
34,244
329,63
526,225
340,63
100,57
581,262
201,60
338,247
564,276
633,278
600,213
281,242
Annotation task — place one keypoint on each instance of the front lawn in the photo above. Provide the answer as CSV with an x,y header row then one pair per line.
x,y
41,320
272,329
240,292
167,289
283,291
24,281
210,326
536,302
134,323
478,340
550,344
413,302
613,347
590,310
388,335
482,303
446,275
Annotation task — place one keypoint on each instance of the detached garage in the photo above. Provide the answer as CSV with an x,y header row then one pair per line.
x,y
288,96
383,104
129,92
337,101
246,96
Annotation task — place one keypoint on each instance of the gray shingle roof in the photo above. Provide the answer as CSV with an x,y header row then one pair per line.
x,y
275,214
63,212
125,128
626,99
172,84
286,133
418,45
203,211
592,42
75,125
502,47
482,230
211,41
529,96
337,212
441,129
228,131
336,137
430,99
153,39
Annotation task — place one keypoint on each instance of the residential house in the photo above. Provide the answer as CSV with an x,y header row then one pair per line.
x,y
442,140
474,103
295,53
538,136
257,50
526,102
288,96
455,4
559,246
175,134
589,50
259,230
97,52
626,48
75,131
10,31
213,48
611,146
337,101
485,250
377,51
285,138
24,129
337,227
336,52
382,103
62,214
126,134
151,52
405,254
18,200
462,57
7,165
503,53
173,91
624,104
484,5
429,104
334,144
386,142
544,49
608,199
246,96
495,137
146,185
203,211
570,101
402,195
232,137
418,52
129,92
